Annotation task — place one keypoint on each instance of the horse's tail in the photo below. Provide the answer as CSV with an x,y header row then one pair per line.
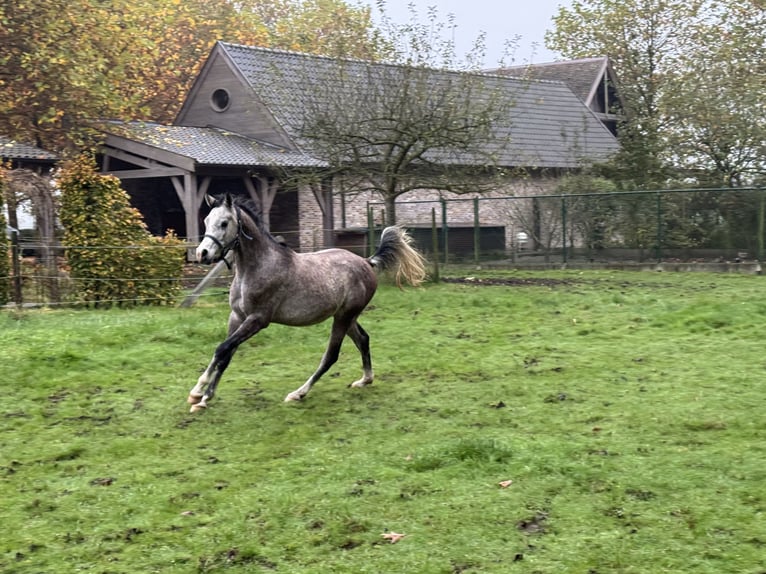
x,y
395,253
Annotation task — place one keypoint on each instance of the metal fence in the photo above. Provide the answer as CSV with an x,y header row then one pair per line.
x,y
723,227
39,275
686,225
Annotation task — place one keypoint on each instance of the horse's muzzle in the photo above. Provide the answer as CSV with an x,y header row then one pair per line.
x,y
209,250
203,256
206,255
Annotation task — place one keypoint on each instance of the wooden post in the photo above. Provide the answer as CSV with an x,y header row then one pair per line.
x,y
16,266
211,276
476,231
445,230
564,230
761,223
435,245
370,231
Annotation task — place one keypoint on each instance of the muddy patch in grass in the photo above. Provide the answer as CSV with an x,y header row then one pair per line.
x,y
510,281
534,524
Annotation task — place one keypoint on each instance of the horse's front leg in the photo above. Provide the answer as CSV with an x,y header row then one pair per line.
x,y
204,390
199,396
209,375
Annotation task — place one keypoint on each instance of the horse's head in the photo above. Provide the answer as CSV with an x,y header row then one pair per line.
x,y
222,228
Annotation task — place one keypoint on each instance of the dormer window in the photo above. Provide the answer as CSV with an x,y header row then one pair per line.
x,y
220,100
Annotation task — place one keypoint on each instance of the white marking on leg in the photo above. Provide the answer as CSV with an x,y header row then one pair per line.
x,y
202,404
366,379
199,389
299,393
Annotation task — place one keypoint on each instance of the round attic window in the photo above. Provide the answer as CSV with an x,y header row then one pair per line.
x,y
220,100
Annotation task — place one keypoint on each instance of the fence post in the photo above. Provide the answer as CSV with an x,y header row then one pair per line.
x,y
564,230
476,231
659,228
435,245
445,232
16,266
514,243
370,231
761,223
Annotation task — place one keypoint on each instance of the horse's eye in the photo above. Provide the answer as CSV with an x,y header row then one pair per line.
x,y
224,224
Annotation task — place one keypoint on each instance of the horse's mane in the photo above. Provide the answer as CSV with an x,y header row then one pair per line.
x,y
253,211
251,208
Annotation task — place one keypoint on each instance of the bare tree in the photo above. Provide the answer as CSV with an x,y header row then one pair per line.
x,y
394,129
423,120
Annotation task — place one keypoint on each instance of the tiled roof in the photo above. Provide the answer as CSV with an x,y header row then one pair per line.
x,y
579,75
210,146
11,149
548,126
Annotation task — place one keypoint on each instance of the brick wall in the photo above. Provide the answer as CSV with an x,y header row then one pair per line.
x,y
414,209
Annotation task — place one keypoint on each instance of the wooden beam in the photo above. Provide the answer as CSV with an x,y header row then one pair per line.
x,y
267,191
128,157
149,152
324,197
145,172
203,187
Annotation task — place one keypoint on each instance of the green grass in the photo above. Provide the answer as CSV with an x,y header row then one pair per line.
x,y
627,409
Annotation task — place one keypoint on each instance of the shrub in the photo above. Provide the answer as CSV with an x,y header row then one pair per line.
x,y
112,256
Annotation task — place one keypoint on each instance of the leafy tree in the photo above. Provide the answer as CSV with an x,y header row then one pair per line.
x,y
66,63
41,66
592,219
719,99
332,28
642,38
692,76
113,258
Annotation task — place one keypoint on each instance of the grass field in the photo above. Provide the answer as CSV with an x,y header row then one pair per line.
x,y
627,409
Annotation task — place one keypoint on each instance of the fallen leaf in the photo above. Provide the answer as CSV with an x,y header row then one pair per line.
x,y
505,483
394,537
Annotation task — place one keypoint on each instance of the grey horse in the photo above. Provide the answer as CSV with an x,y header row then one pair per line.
x,y
274,284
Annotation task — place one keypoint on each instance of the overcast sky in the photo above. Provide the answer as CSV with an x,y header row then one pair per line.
x,y
501,20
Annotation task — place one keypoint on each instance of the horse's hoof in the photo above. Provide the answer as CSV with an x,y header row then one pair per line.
x,y
197,407
193,399
359,384
293,397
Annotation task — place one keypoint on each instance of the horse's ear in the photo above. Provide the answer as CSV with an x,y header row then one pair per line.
x,y
210,200
228,201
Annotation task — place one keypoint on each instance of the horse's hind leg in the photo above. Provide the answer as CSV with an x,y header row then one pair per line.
x,y
362,341
339,329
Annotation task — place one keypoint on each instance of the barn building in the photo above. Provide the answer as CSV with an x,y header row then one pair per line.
x,y
239,130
